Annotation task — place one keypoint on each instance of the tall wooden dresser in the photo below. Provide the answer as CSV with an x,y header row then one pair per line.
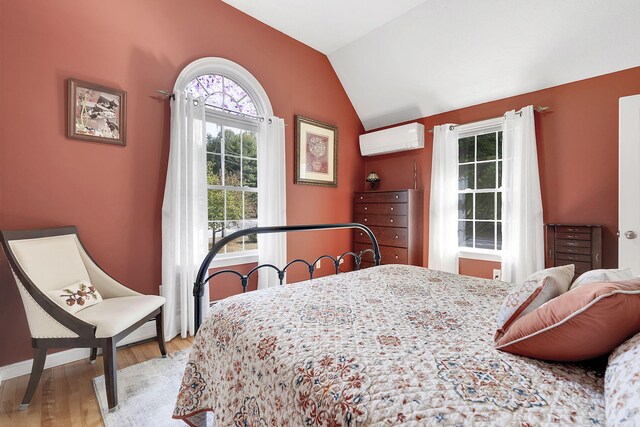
x,y
395,217
580,245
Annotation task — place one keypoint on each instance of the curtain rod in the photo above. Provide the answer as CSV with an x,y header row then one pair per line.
x,y
519,112
168,94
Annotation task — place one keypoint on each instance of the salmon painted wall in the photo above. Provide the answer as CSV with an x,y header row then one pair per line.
x,y
114,194
577,153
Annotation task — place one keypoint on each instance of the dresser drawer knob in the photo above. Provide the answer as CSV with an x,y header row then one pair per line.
x,y
397,197
365,208
391,220
396,256
365,220
391,207
361,197
397,236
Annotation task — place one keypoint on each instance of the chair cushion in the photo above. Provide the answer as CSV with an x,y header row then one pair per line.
x,y
114,315
50,262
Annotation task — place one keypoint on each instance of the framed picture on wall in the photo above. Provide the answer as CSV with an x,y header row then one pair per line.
x,y
96,113
316,153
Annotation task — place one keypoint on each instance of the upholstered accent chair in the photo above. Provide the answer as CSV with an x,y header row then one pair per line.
x,y
49,259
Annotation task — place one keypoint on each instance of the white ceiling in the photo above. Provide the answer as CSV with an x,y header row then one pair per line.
x,y
402,60
325,25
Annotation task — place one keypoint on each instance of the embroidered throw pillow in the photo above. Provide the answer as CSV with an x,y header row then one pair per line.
x,y
538,288
622,384
581,324
599,276
77,296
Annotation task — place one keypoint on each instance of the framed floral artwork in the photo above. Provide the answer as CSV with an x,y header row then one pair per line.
x,y
96,113
316,153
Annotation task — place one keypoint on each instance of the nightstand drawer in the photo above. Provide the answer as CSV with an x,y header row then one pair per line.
x,y
387,236
581,267
573,236
388,220
381,208
571,257
381,197
573,250
573,229
573,243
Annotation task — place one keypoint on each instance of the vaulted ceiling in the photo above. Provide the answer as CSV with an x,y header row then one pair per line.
x,y
405,59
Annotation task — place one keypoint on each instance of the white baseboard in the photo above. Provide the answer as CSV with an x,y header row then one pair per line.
x,y
144,332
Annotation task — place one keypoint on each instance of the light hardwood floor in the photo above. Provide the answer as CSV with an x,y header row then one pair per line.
x,y
65,396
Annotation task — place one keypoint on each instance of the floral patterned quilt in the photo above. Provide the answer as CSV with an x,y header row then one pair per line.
x,y
389,345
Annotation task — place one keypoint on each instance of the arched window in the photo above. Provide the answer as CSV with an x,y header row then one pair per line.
x,y
224,94
235,103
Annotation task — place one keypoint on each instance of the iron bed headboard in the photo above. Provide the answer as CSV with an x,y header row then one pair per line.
x,y
202,279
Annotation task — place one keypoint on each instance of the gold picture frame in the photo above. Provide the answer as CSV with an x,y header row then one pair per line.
x,y
316,153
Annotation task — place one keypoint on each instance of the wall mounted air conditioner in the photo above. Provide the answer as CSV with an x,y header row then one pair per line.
x,y
399,138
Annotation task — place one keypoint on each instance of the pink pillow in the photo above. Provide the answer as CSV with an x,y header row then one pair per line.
x,y
581,324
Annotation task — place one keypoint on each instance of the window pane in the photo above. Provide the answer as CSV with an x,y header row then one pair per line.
x,y
487,175
500,144
249,173
234,205
499,174
499,206
250,241
466,177
499,241
235,245
466,149
213,169
465,206
216,205
465,234
251,206
232,141
214,136
486,147
232,171
249,147
485,235
485,207
215,229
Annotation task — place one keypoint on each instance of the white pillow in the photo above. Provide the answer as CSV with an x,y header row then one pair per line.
x,y
76,297
622,384
537,289
597,276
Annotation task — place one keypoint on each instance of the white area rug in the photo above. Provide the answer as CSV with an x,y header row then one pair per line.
x,y
146,393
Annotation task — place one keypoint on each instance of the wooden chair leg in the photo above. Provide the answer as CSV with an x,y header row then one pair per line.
x,y
36,373
160,332
110,373
93,355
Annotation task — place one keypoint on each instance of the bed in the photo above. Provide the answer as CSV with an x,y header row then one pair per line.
x,y
388,345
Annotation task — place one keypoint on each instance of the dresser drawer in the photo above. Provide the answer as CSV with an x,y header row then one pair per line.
x,y
573,244
366,264
573,236
381,208
572,257
389,254
387,236
384,220
573,229
381,197
573,250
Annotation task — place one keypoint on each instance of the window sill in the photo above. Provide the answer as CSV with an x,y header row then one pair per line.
x,y
479,254
228,261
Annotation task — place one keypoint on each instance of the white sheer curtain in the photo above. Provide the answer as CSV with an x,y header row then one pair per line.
x,y
272,203
184,214
522,227
443,208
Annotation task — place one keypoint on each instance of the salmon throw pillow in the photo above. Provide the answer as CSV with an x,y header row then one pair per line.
x,y
582,324
538,288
